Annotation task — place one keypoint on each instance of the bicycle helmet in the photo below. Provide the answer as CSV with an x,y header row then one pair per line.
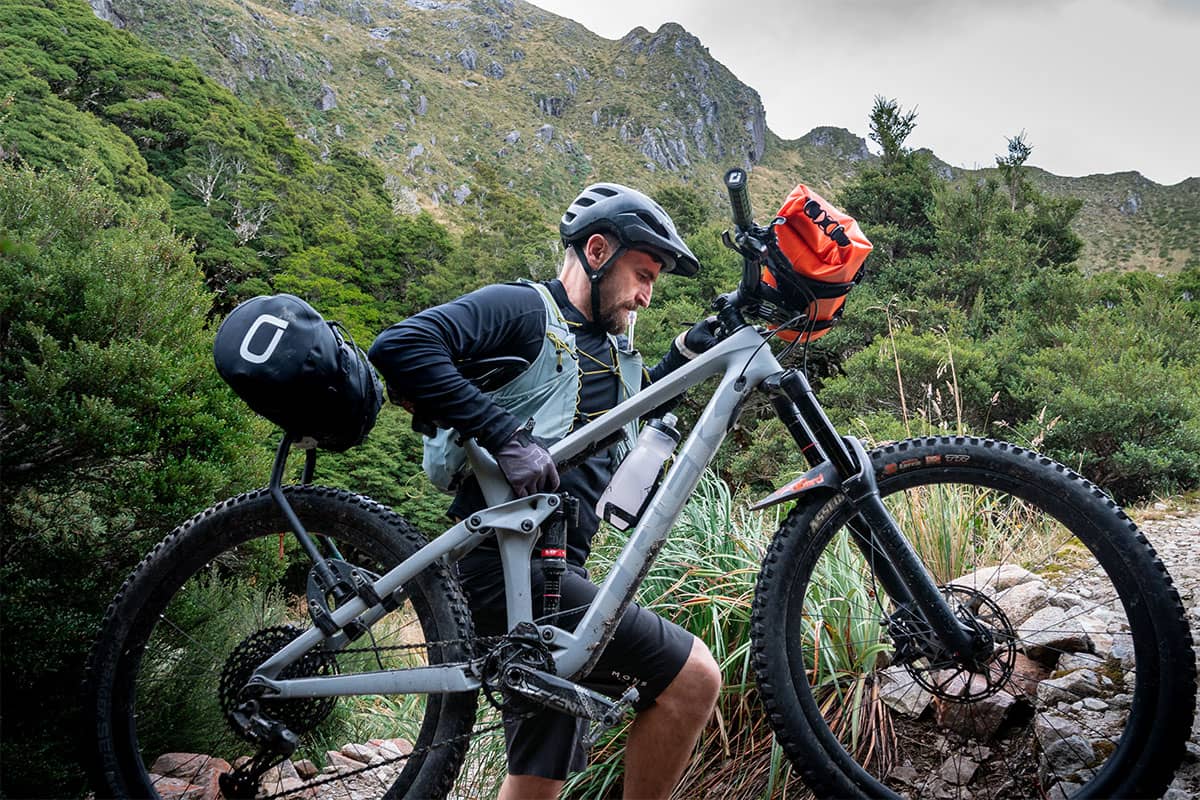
x,y
635,220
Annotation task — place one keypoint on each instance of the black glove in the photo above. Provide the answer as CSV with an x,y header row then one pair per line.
x,y
698,338
526,464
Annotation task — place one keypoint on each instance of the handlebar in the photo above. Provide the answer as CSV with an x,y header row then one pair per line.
x,y
739,198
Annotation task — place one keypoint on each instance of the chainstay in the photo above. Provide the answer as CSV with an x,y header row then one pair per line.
x,y
341,776
314,783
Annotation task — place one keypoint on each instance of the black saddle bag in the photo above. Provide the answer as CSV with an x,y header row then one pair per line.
x,y
304,374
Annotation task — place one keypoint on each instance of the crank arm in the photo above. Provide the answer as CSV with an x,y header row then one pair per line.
x,y
563,695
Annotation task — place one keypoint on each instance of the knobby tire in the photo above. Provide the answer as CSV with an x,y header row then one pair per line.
x,y
825,663
233,572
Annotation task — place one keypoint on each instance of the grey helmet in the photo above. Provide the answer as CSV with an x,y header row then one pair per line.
x,y
634,219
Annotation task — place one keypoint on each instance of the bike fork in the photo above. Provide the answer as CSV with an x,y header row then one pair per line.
x,y
875,533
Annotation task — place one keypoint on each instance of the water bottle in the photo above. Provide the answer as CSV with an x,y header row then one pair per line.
x,y
621,503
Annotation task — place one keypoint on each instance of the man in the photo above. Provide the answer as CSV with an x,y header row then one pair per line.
x,y
617,243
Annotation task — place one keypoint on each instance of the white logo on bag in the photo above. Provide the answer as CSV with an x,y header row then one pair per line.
x,y
265,319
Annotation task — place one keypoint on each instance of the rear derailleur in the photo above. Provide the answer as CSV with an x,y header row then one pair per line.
x,y
275,743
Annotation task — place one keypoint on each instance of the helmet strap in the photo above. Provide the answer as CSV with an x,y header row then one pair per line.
x,y
597,274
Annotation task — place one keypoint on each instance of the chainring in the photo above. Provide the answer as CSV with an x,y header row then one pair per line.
x,y
300,715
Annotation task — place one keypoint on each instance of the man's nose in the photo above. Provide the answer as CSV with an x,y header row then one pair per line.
x,y
643,296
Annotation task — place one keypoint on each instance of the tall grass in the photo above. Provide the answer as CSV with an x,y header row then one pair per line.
x,y
704,581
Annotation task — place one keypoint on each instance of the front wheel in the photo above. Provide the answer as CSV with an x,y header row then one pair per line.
x,y
1089,688
225,591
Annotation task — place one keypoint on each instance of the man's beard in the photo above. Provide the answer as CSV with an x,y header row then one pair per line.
x,y
614,318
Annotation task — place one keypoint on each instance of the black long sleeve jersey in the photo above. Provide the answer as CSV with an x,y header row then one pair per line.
x,y
418,357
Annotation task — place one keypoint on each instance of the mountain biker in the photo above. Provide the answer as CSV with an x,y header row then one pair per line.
x,y
570,329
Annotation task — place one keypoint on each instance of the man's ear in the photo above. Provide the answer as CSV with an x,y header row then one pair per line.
x,y
597,250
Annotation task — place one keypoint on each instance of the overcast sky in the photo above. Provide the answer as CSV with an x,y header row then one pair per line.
x,y
1097,85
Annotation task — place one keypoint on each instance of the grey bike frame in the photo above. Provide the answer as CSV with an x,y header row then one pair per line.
x,y
743,360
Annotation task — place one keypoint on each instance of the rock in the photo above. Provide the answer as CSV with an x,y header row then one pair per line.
x,y
1069,662
237,48
468,58
1094,704
178,789
906,775
341,762
494,70
284,771
958,770
513,137
358,12
104,10
196,772
360,752
328,99
422,105
1026,676
416,150
1067,755
395,747
900,691
1069,688
545,133
978,719
383,34
1050,632
305,768
1019,602
461,194
999,578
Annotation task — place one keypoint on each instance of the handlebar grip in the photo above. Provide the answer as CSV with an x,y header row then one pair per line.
x,y
739,197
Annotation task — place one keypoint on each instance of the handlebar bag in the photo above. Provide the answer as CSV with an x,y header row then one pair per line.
x,y
302,373
824,250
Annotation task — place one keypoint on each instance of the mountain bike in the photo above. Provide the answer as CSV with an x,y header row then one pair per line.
x,y
939,617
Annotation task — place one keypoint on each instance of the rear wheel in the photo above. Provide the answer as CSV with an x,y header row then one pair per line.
x,y
1089,688
225,591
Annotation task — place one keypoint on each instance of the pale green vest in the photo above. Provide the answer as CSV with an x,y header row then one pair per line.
x,y
548,391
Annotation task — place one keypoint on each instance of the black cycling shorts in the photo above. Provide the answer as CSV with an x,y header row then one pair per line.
x,y
646,650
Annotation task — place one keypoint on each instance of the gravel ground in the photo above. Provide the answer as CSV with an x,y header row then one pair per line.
x,y
1175,534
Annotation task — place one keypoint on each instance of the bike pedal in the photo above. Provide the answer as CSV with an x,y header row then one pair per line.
x,y
610,718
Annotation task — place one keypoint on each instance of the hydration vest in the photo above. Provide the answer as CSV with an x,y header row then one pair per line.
x,y
548,391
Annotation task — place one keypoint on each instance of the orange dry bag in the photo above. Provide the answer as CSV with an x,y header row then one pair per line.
x,y
826,250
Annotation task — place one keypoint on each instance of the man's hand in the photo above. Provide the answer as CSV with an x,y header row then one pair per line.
x,y
526,464
698,338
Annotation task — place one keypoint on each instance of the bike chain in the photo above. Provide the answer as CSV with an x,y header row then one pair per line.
x,y
315,782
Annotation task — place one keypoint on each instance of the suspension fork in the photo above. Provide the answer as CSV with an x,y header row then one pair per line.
x,y
873,531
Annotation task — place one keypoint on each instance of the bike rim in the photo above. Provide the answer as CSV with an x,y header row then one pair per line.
x,y
189,634
1058,721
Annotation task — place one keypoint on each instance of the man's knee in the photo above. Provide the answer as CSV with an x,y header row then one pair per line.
x,y
699,682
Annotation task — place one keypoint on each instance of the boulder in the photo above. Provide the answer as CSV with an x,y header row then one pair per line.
x,y
1069,688
1050,632
900,691
1004,576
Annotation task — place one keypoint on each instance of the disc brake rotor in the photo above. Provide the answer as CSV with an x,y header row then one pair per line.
x,y
937,671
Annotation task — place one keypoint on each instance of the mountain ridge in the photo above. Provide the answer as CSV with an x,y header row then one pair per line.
x,y
429,88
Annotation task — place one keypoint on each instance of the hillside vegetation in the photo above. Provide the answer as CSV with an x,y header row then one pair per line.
x,y
428,89
140,199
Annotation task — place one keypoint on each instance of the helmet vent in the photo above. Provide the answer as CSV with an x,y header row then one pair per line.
x,y
585,201
653,224
605,191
